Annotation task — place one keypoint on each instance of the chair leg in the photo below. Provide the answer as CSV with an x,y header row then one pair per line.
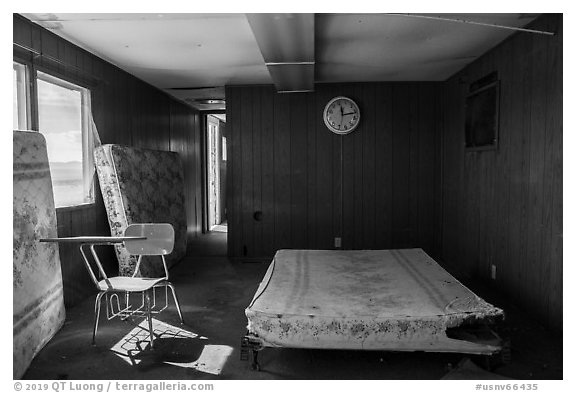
x,y
97,306
176,302
149,315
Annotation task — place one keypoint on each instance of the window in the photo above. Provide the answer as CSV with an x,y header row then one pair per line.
x,y
20,112
482,106
63,119
223,148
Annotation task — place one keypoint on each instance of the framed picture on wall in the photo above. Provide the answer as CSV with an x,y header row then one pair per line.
x,y
482,117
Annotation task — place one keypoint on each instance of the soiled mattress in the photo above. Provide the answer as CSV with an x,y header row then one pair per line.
x,y
38,300
140,186
378,299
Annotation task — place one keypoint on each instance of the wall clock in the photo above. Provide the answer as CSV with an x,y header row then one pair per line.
x,y
341,115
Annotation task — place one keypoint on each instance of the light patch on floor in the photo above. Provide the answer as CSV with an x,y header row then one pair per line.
x,y
211,360
133,348
220,228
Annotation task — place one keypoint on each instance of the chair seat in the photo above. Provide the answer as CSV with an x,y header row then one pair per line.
x,y
130,284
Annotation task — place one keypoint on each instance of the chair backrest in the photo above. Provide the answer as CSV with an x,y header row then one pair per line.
x,y
159,239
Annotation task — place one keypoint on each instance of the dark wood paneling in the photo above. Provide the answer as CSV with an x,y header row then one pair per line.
x,y
373,188
298,172
282,184
424,216
311,176
324,225
368,166
234,197
126,111
358,180
383,168
256,168
247,170
267,172
400,185
504,207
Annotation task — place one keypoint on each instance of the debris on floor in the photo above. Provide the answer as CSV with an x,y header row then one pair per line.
x,y
466,369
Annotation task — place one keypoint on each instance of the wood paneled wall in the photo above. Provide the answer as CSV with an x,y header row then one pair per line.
x,y
126,111
375,188
504,207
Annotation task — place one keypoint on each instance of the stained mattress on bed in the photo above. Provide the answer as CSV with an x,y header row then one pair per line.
x,y
372,299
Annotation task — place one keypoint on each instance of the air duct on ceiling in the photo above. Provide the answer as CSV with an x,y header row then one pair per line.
x,y
286,42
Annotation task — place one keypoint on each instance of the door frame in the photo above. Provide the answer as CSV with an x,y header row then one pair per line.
x,y
213,170
204,166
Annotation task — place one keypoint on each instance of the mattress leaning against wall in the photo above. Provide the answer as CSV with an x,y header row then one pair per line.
x,y
38,301
142,186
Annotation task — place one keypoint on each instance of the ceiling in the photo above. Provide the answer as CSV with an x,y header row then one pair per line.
x,y
193,56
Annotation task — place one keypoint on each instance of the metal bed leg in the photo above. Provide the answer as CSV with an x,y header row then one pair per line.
x,y
149,315
251,344
176,302
504,356
255,365
97,307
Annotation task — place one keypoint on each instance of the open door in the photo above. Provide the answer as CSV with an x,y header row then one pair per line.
x,y
216,176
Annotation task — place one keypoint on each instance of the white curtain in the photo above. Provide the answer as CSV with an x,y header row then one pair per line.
x,y
92,141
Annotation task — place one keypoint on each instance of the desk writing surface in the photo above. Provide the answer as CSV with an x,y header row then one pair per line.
x,y
92,239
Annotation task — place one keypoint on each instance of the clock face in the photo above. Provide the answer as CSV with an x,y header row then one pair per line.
x,y
341,115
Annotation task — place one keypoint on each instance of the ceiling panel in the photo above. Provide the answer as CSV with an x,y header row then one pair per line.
x,y
382,47
199,52
169,50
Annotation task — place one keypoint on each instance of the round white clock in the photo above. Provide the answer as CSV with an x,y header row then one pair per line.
x,y
341,115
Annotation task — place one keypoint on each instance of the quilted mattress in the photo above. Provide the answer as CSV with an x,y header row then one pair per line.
x,y
142,186
38,301
398,300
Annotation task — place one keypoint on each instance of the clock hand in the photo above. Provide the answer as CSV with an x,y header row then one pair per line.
x,y
349,113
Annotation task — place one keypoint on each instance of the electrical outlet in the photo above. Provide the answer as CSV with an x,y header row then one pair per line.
x,y
337,242
493,272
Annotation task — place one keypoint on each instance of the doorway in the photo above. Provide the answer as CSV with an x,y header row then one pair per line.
x,y
216,176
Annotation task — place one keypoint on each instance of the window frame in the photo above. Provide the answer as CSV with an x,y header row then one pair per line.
x,y
27,94
33,119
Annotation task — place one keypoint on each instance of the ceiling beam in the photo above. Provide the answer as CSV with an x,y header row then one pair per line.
x,y
286,42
